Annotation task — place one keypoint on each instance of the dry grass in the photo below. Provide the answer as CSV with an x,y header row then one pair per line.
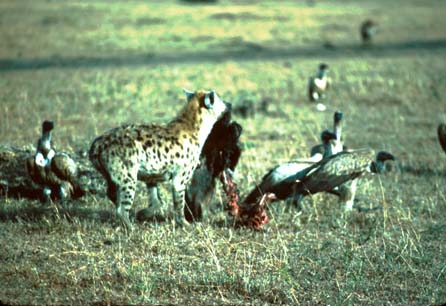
x,y
92,65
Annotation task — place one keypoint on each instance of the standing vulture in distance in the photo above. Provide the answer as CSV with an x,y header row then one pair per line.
x,y
337,129
221,153
54,172
281,173
336,144
442,135
330,173
318,85
368,30
346,192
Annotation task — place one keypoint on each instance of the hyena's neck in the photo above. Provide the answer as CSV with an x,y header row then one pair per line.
x,y
196,127
204,131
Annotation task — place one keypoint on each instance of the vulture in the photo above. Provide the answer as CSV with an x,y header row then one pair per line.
x,y
336,144
54,172
221,153
346,192
368,30
337,129
318,85
281,173
331,144
329,173
442,135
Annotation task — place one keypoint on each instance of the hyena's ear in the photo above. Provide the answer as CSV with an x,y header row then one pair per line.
x,y
209,99
189,94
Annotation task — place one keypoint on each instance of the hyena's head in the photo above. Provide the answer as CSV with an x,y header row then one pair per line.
x,y
206,106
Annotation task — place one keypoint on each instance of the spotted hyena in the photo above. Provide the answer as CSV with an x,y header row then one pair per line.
x,y
156,153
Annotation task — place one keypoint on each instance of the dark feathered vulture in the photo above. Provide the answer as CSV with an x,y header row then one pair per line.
x,y
368,30
282,172
339,169
54,172
442,135
331,143
329,173
221,152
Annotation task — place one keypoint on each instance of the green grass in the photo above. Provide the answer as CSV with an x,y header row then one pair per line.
x,y
92,65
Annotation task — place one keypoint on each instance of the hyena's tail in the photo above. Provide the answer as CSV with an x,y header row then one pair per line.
x,y
94,154
96,158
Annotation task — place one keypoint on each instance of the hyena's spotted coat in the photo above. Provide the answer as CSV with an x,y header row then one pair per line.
x,y
154,154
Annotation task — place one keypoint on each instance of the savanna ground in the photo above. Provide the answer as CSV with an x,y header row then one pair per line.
x,y
92,65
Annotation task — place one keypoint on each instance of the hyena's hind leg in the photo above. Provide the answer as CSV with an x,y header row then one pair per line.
x,y
126,195
121,189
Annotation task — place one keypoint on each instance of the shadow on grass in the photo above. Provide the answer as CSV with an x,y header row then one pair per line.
x,y
36,212
422,171
434,232
249,52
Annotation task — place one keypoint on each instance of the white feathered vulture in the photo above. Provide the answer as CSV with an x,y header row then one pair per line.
x,y
318,85
336,145
54,172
